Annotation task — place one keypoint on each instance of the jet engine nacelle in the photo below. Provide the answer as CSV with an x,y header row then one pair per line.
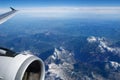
x,y
20,67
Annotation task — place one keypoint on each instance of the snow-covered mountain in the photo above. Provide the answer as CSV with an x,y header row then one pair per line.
x,y
60,65
104,45
101,63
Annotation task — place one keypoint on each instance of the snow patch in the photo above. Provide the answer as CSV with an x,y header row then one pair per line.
x,y
26,52
115,65
91,39
103,45
60,64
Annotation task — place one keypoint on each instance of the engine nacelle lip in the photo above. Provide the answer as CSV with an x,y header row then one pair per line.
x,y
19,65
25,65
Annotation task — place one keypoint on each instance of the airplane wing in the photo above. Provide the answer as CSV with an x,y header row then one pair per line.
x,y
4,17
19,66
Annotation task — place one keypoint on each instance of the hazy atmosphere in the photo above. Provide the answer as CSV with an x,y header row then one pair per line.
x,y
68,35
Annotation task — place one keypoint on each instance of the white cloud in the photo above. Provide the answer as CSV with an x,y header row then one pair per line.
x,y
74,9
69,11
99,10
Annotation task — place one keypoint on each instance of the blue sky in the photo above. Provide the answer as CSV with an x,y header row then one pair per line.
x,y
39,3
64,8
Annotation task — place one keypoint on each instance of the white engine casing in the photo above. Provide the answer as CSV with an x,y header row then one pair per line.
x,y
14,68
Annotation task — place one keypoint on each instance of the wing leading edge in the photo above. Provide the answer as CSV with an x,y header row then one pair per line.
x,y
4,17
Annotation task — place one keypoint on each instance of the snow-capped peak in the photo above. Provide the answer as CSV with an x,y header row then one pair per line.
x,y
103,45
115,65
61,62
91,39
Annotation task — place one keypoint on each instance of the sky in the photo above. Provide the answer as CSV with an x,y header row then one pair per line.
x,y
63,8
39,3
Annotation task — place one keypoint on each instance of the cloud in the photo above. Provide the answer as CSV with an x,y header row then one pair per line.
x,y
69,11
74,9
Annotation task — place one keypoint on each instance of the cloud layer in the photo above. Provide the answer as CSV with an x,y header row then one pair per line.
x,y
77,12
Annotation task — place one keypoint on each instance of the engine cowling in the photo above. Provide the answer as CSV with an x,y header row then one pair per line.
x,y
21,66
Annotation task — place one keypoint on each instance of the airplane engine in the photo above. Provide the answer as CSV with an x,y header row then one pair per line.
x,y
22,66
